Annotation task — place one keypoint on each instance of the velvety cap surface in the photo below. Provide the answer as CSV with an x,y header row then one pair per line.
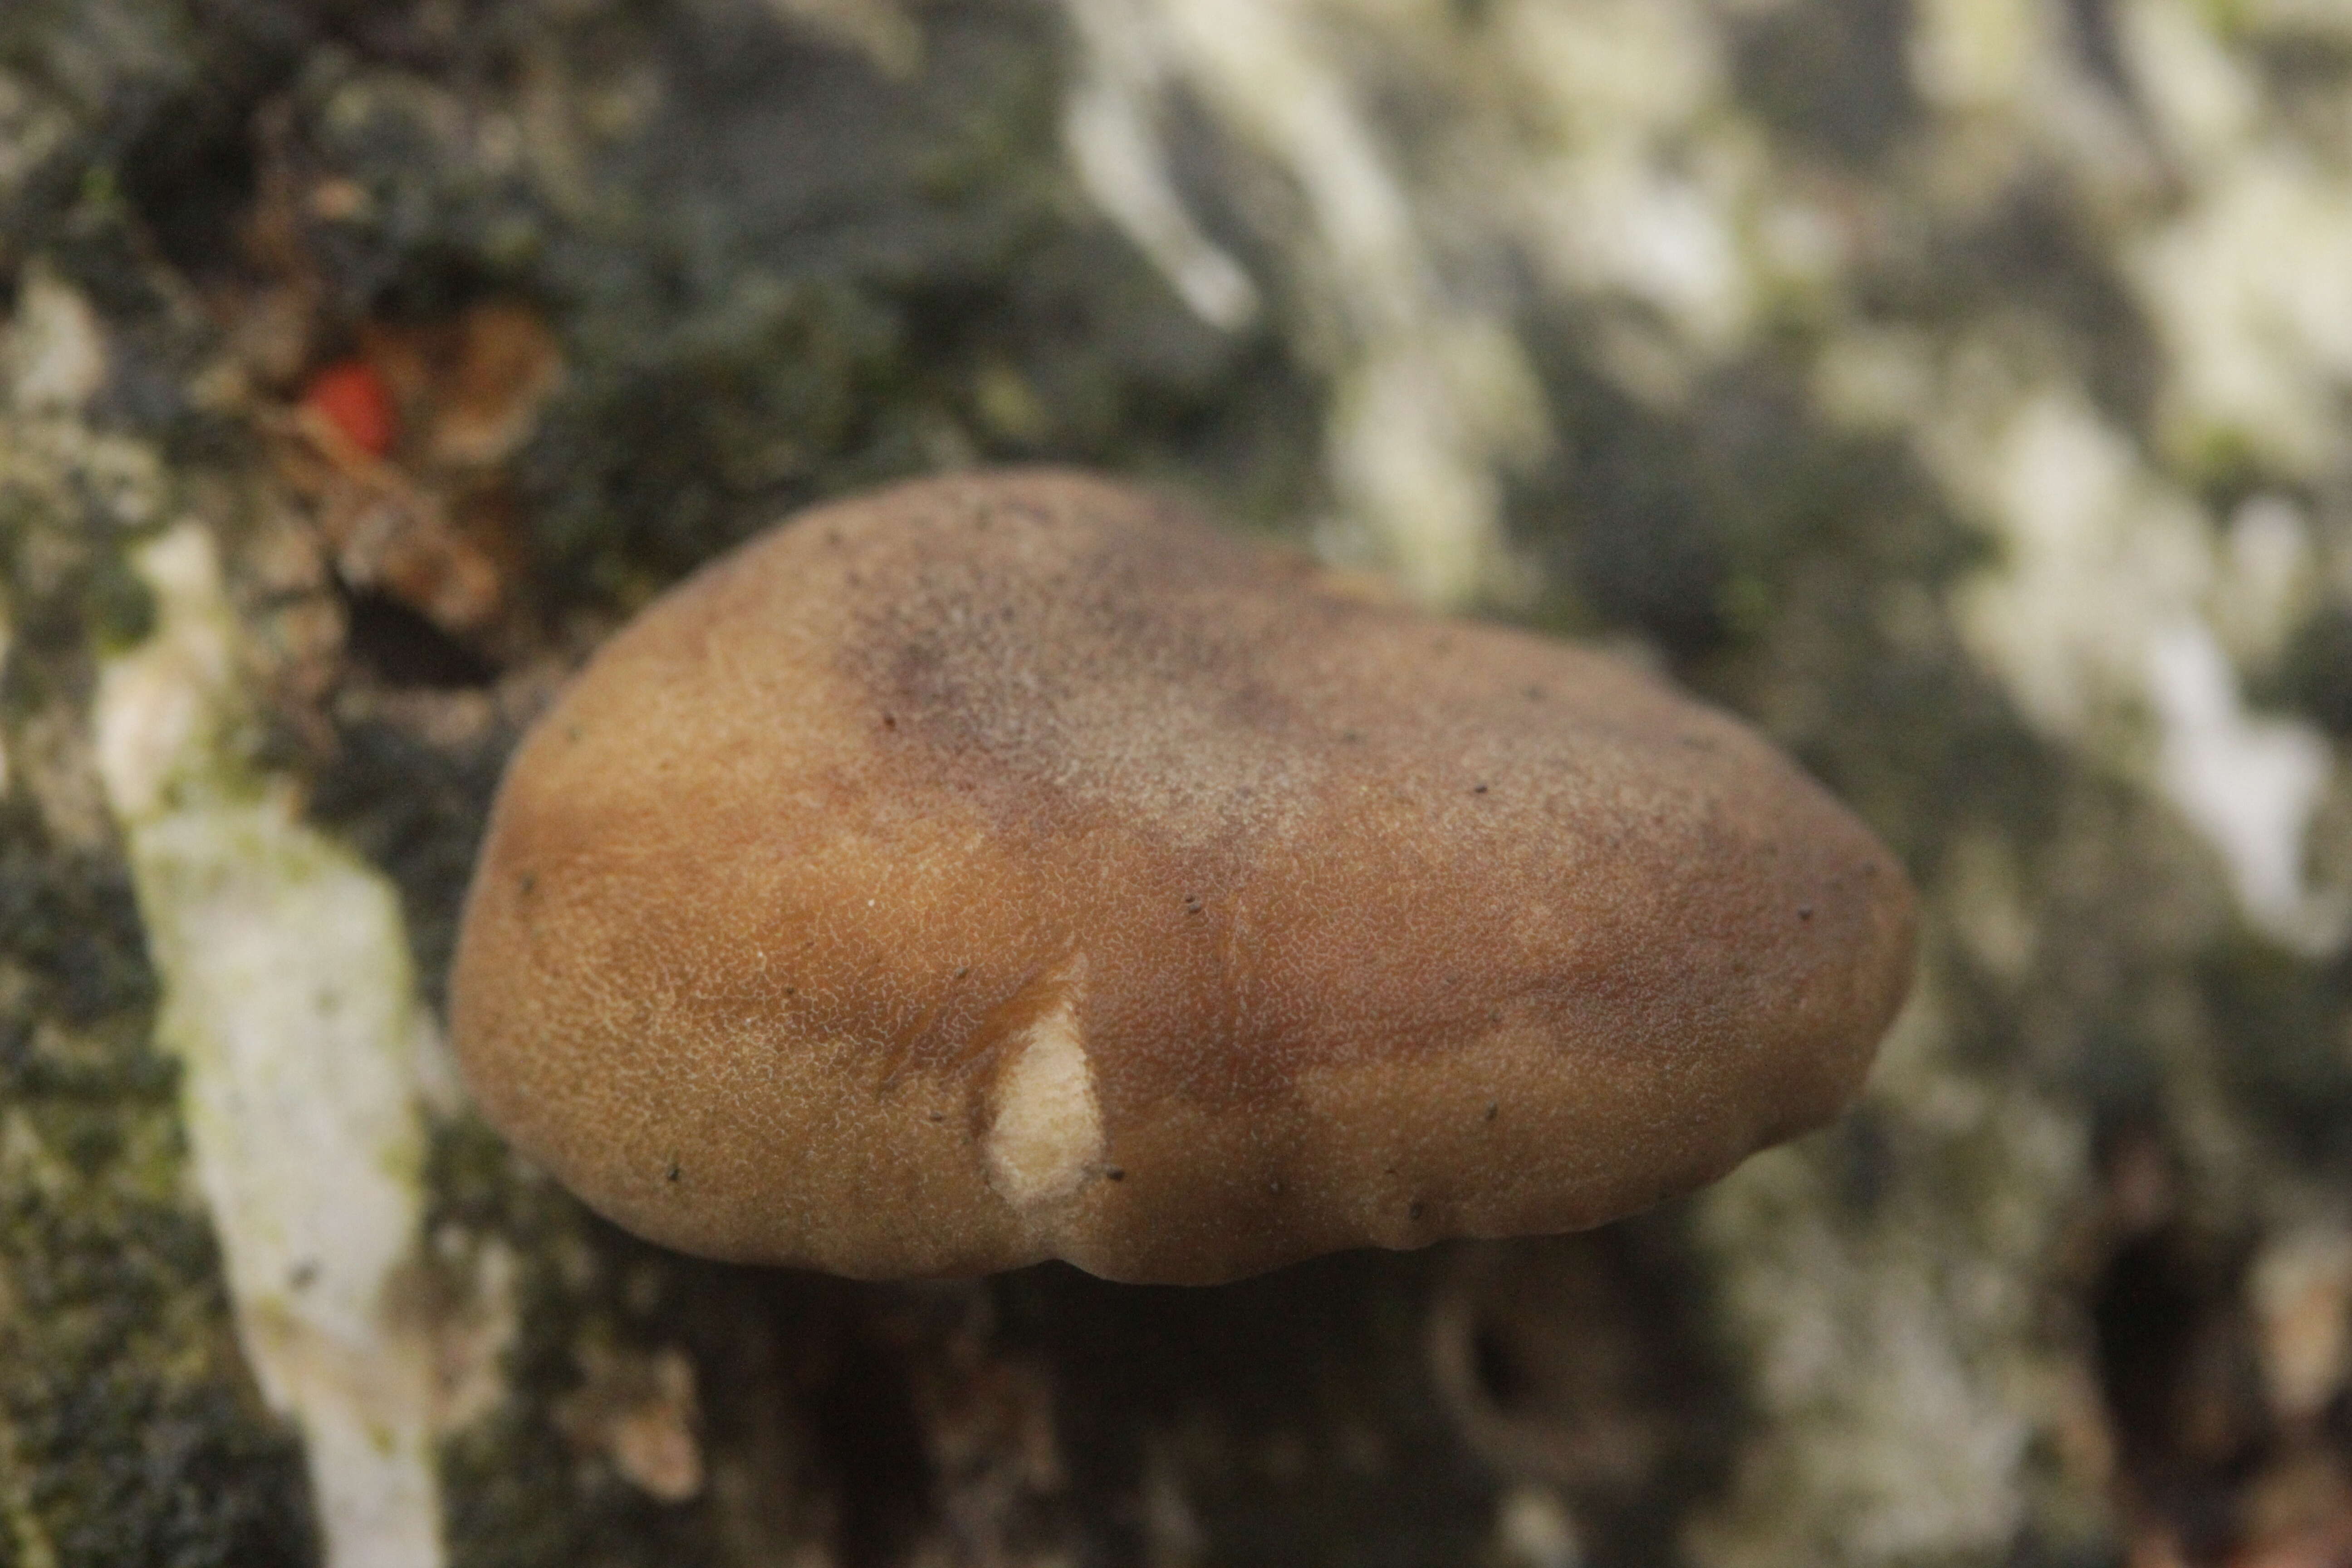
x,y
1011,867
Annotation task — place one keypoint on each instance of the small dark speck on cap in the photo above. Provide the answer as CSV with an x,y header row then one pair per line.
x,y
1535,693
1350,737
1115,1172
673,1172
1804,911
939,1116
962,970
1494,1108
1478,789
1413,1211
529,880
571,731
889,721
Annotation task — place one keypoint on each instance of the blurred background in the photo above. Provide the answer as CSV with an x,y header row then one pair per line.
x,y
1962,390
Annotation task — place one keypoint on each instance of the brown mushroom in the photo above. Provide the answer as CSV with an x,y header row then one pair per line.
x,y
1010,867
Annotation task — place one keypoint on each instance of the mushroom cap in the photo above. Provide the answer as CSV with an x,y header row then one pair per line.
x,y
1010,867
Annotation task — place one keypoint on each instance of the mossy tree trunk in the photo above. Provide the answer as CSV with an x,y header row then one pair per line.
x,y
1955,390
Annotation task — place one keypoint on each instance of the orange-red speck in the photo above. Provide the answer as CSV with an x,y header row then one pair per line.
x,y
355,397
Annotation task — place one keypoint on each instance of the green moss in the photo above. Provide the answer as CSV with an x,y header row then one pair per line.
x,y
1286,1365
518,1491
817,1380
2282,1019
116,603
133,1433
417,812
130,1428
789,276
2314,675
1829,78
156,96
